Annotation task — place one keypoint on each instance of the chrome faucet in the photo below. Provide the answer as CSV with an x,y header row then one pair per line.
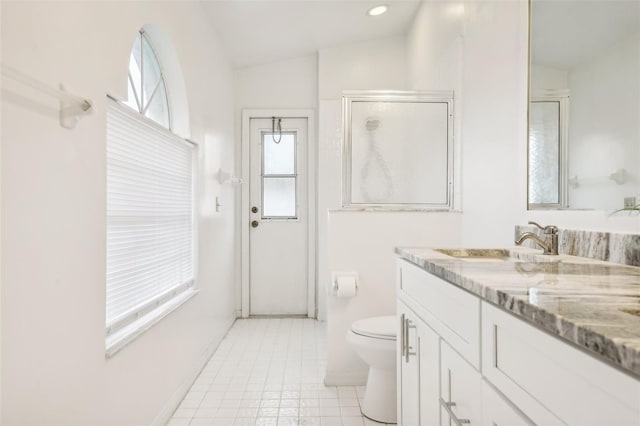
x,y
549,245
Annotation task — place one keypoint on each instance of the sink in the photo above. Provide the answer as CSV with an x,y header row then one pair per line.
x,y
477,254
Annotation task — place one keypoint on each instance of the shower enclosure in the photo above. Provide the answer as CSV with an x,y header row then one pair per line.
x,y
398,150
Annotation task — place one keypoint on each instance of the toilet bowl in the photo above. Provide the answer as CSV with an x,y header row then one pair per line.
x,y
374,340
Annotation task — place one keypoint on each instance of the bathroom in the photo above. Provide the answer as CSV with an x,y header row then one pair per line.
x,y
53,234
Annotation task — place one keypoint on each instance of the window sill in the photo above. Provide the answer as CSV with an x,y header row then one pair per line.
x,y
118,340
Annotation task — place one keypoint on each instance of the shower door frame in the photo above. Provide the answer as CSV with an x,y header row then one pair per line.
x,y
432,96
245,204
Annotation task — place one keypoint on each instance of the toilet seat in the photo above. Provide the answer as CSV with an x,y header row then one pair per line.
x,y
376,327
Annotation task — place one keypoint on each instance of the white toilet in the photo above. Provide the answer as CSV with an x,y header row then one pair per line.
x,y
374,340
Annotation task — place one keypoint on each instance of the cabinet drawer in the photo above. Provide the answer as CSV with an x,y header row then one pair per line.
x,y
450,311
551,381
496,410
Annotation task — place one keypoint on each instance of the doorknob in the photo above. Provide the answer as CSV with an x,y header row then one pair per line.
x,y
254,223
254,209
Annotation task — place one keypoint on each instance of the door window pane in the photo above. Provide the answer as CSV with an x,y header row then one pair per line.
x,y
279,158
279,197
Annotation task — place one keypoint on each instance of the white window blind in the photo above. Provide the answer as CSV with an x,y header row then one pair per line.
x,y
150,226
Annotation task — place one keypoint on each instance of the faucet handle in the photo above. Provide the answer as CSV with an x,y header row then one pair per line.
x,y
550,229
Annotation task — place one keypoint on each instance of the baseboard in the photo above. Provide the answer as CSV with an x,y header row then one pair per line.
x,y
358,378
170,406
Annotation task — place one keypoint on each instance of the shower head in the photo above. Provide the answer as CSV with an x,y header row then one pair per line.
x,y
372,124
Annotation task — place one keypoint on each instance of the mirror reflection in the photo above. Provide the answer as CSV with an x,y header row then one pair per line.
x,y
584,106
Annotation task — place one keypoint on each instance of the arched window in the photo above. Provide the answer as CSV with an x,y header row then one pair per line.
x,y
147,91
150,241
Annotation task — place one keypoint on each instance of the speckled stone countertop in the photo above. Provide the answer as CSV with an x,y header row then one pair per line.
x,y
593,304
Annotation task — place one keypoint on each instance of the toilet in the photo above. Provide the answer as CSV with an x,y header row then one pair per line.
x,y
374,340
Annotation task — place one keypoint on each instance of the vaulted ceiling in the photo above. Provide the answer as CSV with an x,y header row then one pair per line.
x,y
257,32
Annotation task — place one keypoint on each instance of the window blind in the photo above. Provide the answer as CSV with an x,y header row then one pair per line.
x,y
150,225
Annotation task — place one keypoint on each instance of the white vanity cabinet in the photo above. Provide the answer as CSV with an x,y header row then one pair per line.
x,y
439,335
465,361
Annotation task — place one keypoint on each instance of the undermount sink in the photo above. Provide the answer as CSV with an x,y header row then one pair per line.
x,y
477,254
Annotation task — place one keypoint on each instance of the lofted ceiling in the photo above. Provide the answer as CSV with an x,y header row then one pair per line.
x,y
258,32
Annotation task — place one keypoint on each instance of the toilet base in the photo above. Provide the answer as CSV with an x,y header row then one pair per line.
x,y
379,402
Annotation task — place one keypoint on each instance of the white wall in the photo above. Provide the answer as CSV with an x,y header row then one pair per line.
x,y
363,241
289,84
282,85
433,46
372,65
54,369
378,65
603,125
375,65
494,121
546,78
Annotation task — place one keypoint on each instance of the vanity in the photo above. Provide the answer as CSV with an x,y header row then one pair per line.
x,y
514,337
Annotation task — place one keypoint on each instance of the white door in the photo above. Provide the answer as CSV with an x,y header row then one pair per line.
x,y
278,228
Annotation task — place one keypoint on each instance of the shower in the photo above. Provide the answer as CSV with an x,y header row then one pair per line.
x,y
376,182
372,124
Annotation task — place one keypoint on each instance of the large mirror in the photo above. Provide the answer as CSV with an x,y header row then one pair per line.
x,y
584,104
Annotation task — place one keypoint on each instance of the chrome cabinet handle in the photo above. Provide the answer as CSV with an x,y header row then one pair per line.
x,y
447,406
408,352
402,348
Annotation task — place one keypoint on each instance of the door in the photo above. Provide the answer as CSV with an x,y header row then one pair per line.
x,y
418,371
408,369
278,228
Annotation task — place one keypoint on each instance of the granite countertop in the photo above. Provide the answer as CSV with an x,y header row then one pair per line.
x,y
593,304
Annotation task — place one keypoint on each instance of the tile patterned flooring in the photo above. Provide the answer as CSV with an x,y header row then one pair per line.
x,y
269,372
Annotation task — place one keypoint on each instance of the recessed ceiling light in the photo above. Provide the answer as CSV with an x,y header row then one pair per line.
x,y
377,10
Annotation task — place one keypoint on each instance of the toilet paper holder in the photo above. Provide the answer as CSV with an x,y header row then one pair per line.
x,y
351,278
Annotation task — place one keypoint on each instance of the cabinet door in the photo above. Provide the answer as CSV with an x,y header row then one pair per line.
x,y
418,371
550,381
496,411
460,390
408,369
429,350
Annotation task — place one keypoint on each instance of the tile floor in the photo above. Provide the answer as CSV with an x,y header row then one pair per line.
x,y
270,372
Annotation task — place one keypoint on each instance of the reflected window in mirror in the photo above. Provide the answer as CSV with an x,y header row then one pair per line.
x,y
547,149
592,51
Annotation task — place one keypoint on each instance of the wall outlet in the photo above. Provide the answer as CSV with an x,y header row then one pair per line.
x,y
629,202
